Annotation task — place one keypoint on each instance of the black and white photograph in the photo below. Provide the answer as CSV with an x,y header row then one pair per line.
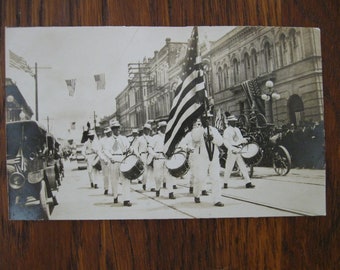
x,y
196,122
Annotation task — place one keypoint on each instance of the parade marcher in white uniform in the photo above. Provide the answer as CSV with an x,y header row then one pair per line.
x,y
205,159
105,144
143,147
161,173
117,148
187,146
90,151
233,140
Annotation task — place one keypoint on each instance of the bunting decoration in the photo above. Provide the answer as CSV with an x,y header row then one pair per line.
x,y
253,94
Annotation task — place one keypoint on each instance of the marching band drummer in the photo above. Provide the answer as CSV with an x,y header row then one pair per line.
x,y
233,139
205,159
143,146
104,143
115,151
90,151
161,173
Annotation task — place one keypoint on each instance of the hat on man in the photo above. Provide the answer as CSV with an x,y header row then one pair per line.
x,y
147,126
107,130
91,132
161,124
231,118
135,131
207,115
115,124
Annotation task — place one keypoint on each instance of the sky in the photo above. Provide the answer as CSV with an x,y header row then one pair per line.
x,y
79,53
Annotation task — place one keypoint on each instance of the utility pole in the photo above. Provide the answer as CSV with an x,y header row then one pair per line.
x,y
94,119
36,89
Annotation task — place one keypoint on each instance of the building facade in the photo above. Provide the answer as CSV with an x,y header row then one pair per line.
x,y
289,57
16,105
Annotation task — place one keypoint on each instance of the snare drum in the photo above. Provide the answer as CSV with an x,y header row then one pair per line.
x,y
132,167
251,153
178,164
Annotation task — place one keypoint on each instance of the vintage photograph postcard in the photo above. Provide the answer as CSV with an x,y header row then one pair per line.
x,y
118,123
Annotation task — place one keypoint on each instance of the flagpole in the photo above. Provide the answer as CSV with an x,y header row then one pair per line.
x,y
36,92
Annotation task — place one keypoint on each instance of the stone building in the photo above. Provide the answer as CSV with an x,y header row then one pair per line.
x,y
289,57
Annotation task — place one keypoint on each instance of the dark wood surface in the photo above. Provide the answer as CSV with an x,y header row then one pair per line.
x,y
257,243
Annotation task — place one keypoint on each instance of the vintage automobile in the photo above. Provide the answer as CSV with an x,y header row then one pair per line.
x,y
33,170
81,159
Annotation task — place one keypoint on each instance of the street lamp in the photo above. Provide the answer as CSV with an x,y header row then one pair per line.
x,y
270,96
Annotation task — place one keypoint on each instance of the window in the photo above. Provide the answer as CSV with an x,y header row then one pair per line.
x,y
246,66
282,50
293,46
267,56
253,63
236,70
220,78
225,76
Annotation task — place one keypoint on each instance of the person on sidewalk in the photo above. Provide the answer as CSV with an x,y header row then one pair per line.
x,y
90,151
115,152
233,140
161,173
205,158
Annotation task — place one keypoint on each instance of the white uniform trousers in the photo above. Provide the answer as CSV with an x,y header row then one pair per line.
x,y
106,174
147,177
116,176
229,165
92,172
204,169
162,175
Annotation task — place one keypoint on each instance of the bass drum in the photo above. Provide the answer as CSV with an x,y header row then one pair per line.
x,y
132,167
252,154
178,164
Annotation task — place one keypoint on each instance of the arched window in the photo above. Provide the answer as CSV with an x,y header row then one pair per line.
x,y
293,44
246,66
225,76
220,78
267,57
295,109
282,50
236,70
253,63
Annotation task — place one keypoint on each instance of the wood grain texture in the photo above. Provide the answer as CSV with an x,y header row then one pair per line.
x,y
257,243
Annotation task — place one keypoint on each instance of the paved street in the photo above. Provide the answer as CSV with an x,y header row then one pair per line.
x,y
301,192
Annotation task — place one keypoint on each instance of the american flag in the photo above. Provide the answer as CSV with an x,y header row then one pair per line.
x,y
100,80
19,62
219,121
71,85
253,94
190,97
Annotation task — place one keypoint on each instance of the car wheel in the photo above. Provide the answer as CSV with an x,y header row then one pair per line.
x,y
43,201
